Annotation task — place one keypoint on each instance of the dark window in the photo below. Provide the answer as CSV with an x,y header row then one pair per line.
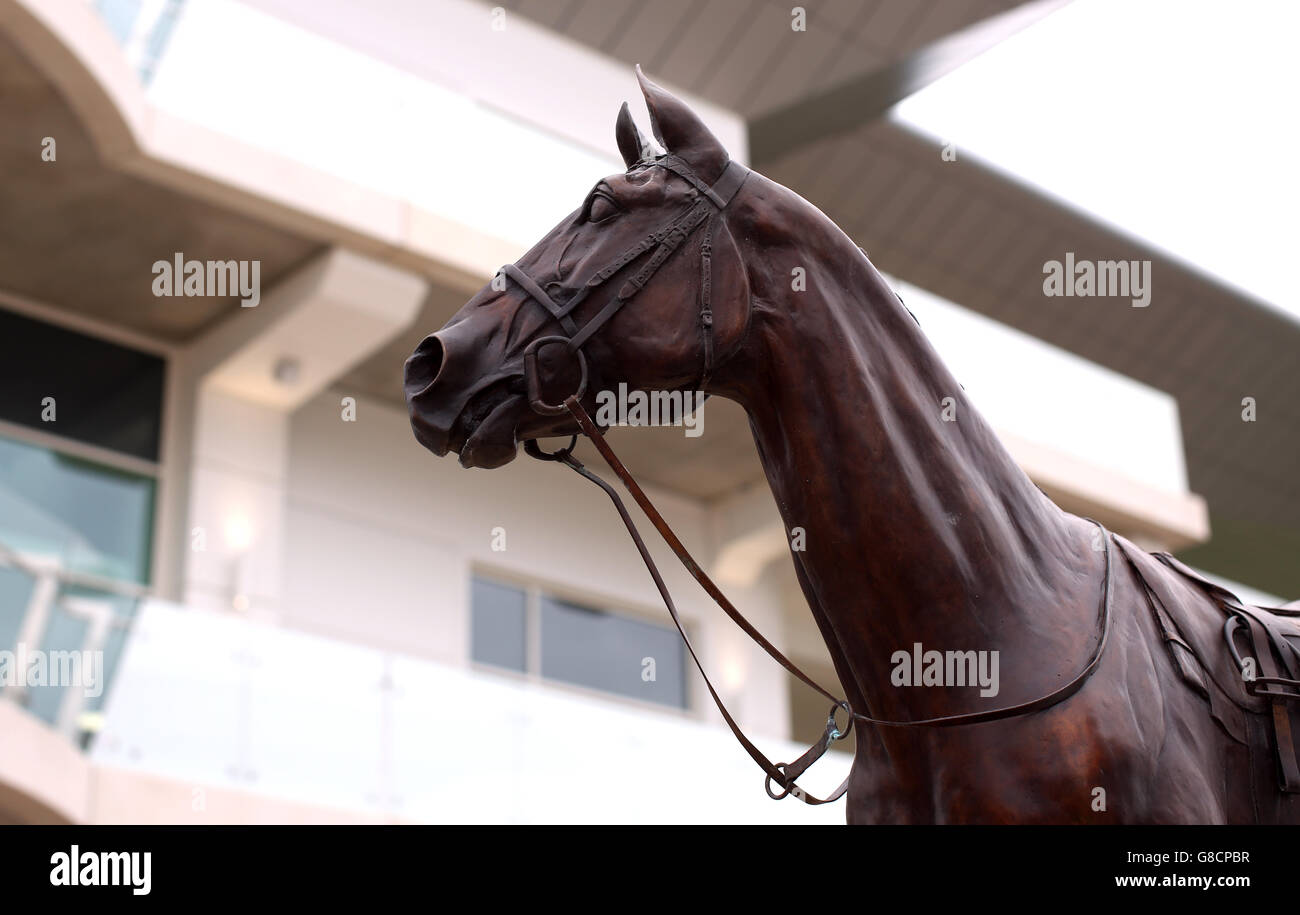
x,y
499,625
612,653
579,645
104,394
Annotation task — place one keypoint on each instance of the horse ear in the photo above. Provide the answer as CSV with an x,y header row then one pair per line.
x,y
680,131
631,144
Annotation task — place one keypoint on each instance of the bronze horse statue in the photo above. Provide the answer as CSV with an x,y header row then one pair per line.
x,y
1133,691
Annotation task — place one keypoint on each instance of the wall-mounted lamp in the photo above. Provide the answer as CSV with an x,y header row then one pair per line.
x,y
239,533
239,538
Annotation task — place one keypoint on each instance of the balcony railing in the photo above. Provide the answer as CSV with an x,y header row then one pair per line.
x,y
205,698
93,601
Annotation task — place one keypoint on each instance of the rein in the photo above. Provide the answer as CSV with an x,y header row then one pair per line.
x,y
707,206
785,774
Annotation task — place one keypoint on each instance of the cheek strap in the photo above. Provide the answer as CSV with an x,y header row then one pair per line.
x,y
706,302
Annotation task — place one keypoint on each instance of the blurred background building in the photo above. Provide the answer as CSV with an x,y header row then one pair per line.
x,y
305,617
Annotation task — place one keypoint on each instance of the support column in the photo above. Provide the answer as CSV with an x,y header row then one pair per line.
x,y
241,383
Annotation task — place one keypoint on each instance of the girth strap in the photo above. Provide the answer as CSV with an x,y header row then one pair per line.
x,y
1279,685
1268,682
1271,676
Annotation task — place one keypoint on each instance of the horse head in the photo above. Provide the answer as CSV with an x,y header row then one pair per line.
x,y
554,323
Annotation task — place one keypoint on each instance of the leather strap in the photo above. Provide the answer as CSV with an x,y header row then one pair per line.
x,y
785,774
706,303
774,771
1034,705
1269,674
710,200
1266,639
593,432
536,292
721,191
1280,690
677,233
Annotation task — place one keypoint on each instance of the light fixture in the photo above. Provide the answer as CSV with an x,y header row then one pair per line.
x,y
733,671
239,533
90,722
286,370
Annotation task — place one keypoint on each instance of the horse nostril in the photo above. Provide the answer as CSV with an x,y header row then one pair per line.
x,y
424,364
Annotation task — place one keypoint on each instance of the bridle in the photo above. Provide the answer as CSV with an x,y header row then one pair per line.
x,y
707,206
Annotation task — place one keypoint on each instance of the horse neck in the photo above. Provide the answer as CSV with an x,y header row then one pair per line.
x,y
916,529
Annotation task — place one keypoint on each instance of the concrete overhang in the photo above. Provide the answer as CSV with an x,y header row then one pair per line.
x,y
314,326
133,184
302,211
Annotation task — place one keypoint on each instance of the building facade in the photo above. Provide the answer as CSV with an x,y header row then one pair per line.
x,y
284,608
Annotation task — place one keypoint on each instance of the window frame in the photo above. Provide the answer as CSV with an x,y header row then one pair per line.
x,y
162,471
534,590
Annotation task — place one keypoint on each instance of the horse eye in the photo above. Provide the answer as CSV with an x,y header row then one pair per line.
x,y
601,209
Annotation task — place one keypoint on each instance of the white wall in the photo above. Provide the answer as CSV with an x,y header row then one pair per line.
x,y
396,96
236,493
1052,397
382,536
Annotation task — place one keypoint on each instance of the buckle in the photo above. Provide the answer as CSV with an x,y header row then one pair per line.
x,y
832,728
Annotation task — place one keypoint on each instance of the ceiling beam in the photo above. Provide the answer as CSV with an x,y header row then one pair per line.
x,y
864,98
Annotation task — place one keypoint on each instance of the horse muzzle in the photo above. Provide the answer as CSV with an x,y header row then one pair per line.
x,y
459,395
465,396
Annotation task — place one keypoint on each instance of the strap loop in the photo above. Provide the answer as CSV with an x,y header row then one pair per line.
x,y
535,382
534,450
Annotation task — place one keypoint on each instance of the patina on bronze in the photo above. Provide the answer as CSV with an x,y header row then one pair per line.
x,y
1127,700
